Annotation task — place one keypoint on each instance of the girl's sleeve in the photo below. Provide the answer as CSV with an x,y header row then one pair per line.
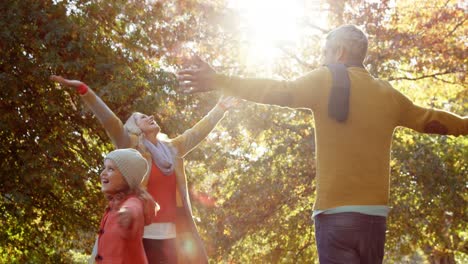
x,y
135,207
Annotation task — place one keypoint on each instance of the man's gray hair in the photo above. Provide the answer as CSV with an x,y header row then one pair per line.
x,y
352,39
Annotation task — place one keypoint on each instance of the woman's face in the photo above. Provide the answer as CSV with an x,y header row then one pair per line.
x,y
112,180
147,124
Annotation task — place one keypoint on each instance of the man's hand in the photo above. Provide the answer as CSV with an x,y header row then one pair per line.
x,y
198,79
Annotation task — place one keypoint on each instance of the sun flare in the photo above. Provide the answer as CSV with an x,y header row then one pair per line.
x,y
269,25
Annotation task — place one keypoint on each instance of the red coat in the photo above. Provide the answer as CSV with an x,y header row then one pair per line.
x,y
122,245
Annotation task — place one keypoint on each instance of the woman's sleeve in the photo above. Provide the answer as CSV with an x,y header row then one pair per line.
x,y
193,136
111,123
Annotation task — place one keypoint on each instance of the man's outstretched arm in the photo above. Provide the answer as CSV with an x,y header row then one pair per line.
x,y
428,120
299,93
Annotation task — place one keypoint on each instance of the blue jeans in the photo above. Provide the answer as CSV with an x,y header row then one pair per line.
x,y
350,238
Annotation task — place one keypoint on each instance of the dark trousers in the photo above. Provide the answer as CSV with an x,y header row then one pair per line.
x,y
350,238
160,251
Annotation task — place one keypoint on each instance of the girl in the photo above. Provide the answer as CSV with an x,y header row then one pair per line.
x,y
130,208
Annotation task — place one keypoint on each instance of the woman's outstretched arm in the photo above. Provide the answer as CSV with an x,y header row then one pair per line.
x,y
193,136
111,123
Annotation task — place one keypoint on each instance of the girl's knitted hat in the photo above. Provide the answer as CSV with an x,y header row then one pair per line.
x,y
131,164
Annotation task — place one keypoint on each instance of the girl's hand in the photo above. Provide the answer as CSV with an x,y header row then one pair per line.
x,y
125,218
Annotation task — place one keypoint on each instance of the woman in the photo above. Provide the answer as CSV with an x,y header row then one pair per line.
x,y
173,236
130,208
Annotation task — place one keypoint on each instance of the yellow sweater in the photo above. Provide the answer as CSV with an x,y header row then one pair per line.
x,y
353,158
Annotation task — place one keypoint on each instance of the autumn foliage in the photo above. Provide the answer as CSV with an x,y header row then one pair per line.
x,y
252,180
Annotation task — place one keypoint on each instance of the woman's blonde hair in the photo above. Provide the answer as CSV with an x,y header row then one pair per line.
x,y
132,128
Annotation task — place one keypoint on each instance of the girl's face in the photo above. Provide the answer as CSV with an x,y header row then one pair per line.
x,y
146,123
112,180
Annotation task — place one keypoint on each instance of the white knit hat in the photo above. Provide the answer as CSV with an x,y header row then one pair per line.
x,y
131,164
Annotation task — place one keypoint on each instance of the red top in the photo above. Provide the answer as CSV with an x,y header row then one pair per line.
x,y
163,189
122,245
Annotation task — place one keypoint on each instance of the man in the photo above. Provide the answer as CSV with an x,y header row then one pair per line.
x,y
355,116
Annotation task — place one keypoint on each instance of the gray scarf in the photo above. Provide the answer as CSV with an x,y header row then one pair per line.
x,y
161,155
338,104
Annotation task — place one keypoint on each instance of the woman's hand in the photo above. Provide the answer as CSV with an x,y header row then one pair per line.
x,y
66,82
228,102
80,87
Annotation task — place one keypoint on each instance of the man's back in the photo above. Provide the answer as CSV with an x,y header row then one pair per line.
x,y
353,156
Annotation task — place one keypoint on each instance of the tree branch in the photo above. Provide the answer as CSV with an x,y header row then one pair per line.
x,y
456,27
445,81
422,76
295,57
306,245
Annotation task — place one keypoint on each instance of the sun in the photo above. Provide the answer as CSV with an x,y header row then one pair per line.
x,y
268,25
